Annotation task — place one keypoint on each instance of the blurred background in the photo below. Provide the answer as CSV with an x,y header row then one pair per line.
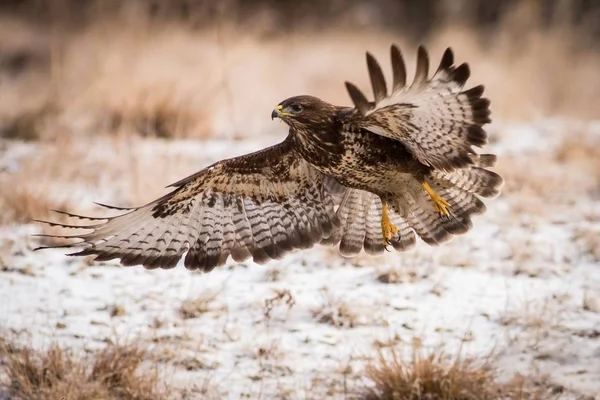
x,y
110,101
204,68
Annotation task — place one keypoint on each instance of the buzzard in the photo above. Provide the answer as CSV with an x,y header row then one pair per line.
x,y
364,177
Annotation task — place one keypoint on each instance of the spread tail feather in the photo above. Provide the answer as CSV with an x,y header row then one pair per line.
x,y
475,179
435,228
360,227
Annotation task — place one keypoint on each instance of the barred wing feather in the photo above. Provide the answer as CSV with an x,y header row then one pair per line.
x,y
261,205
433,117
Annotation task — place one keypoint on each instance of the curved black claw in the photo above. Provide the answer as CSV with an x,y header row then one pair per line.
x,y
387,242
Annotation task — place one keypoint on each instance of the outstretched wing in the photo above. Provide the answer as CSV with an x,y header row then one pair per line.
x,y
434,118
262,205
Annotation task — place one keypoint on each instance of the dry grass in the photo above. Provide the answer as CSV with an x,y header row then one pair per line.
x,y
591,302
281,298
154,115
194,308
581,152
113,373
29,125
534,322
274,273
545,178
21,205
436,375
588,240
556,179
398,275
430,376
278,307
126,74
336,312
116,310
29,192
532,315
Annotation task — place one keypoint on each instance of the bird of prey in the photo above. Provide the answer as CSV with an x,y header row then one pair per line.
x,y
364,177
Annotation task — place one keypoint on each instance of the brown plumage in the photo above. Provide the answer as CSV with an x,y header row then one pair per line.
x,y
360,178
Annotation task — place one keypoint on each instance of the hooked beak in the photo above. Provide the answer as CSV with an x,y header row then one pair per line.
x,y
276,112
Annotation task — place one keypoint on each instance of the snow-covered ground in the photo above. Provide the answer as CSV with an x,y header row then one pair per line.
x,y
523,284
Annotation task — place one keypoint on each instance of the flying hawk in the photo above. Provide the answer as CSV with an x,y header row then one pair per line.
x,y
366,177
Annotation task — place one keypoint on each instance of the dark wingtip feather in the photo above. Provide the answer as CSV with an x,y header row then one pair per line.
x,y
487,160
476,136
43,235
349,249
132,259
358,98
163,262
404,243
374,248
460,161
61,225
41,221
459,225
479,106
437,238
475,92
481,111
422,71
447,60
114,207
62,246
461,74
259,256
493,184
99,256
398,68
68,214
377,78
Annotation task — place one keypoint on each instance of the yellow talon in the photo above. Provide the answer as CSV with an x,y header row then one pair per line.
x,y
439,203
388,229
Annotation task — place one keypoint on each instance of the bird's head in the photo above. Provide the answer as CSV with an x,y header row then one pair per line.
x,y
304,112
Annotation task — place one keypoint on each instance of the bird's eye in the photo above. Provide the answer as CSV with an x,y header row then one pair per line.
x,y
296,108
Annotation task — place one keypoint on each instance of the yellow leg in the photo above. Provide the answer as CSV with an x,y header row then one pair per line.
x,y
388,229
439,203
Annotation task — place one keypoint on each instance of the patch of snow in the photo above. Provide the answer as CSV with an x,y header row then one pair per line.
x,y
512,286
